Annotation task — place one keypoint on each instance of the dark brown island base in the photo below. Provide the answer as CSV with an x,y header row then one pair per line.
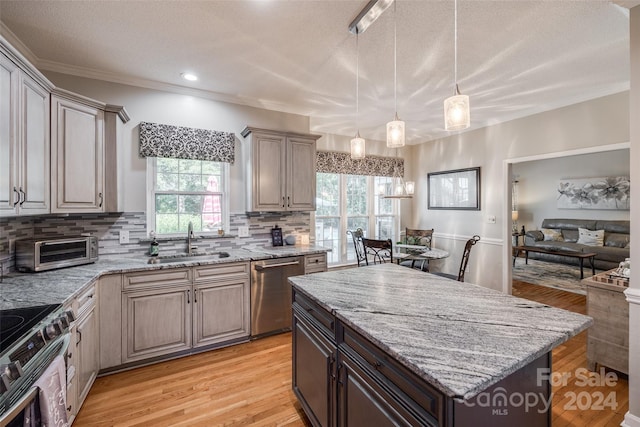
x,y
386,345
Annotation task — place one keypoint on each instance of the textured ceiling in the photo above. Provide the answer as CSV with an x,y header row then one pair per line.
x,y
515,58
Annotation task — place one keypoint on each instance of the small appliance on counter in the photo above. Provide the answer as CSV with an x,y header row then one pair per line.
x,y
276,236
33,255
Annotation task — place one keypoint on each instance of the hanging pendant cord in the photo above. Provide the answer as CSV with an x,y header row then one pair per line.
x,y
357,85
395,58
455,46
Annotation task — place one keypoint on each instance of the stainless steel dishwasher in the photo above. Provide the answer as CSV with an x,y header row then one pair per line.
x,y
271,294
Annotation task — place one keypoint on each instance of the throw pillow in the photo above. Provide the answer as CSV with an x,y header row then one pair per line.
x,y
551,234
590,237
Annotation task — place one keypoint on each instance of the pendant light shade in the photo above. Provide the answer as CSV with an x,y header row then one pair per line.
x,y
357,147
395,133
395,128
457,114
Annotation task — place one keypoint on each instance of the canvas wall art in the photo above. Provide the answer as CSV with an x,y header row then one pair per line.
x,y
610,192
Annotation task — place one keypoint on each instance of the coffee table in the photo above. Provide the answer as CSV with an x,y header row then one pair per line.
x,y
572,254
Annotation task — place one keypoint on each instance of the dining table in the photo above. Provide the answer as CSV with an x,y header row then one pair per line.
x,y
419,253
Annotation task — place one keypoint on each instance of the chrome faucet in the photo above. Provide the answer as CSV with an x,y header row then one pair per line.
x,y
190,237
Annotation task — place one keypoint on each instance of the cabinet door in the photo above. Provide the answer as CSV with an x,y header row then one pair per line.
x,y
87,363
9,80
269,173
314,372
77,157
221,312
301,174
34,152
156,322
362,402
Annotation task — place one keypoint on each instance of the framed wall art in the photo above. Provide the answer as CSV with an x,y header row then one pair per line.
x,y
611,192
455,189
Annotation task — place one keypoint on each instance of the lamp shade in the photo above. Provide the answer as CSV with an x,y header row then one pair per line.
x,y
456,113
514,215
395,133
357,147
410,186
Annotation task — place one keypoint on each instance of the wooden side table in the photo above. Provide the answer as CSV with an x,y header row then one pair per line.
x,y
608,338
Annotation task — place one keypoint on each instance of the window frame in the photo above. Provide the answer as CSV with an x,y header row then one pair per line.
x,y
344,239
152,169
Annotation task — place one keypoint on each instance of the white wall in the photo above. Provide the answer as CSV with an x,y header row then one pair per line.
x,y
595,123
538,183
181,110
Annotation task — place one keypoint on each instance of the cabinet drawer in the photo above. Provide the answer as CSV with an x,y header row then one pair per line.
x,y
415,392
315,263
86,300
322,319
160,278
221,272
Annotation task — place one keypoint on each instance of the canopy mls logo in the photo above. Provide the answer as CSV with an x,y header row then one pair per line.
x,y
500,401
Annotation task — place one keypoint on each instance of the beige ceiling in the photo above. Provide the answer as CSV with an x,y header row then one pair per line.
x,y
515,58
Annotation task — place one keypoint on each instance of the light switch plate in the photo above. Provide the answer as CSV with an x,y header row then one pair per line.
x,y
304,239
12,246
124,236
243,231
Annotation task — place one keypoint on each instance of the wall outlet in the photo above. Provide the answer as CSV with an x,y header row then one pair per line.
x,y
304,239
491,219
243,231
124,236
12,246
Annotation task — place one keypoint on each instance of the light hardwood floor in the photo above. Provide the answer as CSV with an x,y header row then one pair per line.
x,y
250,384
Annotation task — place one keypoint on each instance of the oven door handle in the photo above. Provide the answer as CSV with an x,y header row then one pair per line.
x,y
26,400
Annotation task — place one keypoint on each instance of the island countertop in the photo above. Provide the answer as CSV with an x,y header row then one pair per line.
x,y
459,337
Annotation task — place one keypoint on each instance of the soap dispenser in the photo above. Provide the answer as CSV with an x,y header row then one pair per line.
x,y
154,248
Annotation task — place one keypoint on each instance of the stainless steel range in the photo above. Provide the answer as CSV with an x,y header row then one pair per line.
x,y
30,339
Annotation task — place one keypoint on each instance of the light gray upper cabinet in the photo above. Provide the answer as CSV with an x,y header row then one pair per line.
x,y
281,171
24,137
84,136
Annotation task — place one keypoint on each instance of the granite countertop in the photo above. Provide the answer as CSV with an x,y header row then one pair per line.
x,y
62,285
459,337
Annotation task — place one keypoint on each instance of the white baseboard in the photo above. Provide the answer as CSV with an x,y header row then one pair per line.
x,y
630,420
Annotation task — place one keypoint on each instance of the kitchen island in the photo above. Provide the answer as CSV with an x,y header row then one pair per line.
x,y
388,345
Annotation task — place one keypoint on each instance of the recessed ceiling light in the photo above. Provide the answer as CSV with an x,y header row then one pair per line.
x,y
189,76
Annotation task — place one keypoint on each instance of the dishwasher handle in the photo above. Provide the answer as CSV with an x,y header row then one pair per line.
x,y
260,267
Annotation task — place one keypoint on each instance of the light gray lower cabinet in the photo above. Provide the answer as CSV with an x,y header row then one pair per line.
x,y
156,322
152,314
83,359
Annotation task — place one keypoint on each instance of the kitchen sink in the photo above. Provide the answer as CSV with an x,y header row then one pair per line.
x,y
184,257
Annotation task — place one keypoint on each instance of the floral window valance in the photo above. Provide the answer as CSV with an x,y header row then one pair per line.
x,y
336,162
177,142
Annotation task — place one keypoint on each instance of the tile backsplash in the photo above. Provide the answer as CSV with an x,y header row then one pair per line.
x,y
107,227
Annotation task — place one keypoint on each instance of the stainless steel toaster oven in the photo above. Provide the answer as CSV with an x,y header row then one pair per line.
x,y
47,254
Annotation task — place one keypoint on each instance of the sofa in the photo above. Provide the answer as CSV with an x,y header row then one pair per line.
x,y
565,235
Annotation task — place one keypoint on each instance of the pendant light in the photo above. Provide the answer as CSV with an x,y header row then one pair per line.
x,y
456,107
400,189
357,143
395,128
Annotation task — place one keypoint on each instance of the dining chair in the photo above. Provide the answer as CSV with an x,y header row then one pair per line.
x,y
463,263
418,237
356,236
379,251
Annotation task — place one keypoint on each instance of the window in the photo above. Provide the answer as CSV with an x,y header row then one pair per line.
x,y
347,202
183,191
